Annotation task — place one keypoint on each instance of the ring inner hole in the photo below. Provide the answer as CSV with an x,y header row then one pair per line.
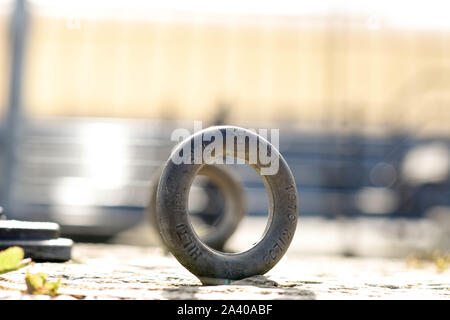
x,y
253,226
206,205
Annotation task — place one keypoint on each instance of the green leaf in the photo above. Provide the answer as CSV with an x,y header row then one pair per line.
x,y
12,259
37,284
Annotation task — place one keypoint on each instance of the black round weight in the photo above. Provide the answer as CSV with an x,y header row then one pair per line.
x,y
235,208
52,250
25,230
209,265
39,240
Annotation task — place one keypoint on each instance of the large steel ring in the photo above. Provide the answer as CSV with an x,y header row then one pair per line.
x,y
209,265
234,209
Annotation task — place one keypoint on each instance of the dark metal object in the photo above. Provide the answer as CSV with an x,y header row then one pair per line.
x,y
39,240
51,250
210,266
223,226
22,230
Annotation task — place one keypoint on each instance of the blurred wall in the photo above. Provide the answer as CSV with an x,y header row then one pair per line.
x,y
330,70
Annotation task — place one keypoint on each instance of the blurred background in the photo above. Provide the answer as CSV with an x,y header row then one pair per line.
x,y
90,92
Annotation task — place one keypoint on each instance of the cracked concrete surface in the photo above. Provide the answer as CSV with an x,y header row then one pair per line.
x,y
133,272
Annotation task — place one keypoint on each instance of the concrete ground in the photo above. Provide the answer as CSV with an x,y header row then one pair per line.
x,y
120,271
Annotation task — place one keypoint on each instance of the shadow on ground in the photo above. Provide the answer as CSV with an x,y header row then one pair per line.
x,y
250,288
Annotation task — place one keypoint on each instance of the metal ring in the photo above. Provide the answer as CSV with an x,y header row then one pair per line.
x,y
209,265
235,208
